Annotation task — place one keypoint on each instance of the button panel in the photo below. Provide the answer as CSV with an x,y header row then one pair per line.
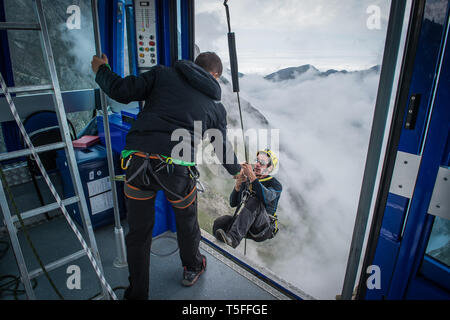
x,y
145,14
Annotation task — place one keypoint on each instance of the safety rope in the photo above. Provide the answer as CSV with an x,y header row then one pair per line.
x,y
234,71
235,81
53,190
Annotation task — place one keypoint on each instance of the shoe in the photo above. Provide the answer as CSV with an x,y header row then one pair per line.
x,y
190,277
222,236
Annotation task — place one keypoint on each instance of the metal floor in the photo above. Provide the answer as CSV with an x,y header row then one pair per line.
x,y
223,279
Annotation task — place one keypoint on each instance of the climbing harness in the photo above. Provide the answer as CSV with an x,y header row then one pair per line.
x,y
169,164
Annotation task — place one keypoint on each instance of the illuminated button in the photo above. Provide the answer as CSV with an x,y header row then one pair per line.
x,y
141,55
147,49
141,49
143,30
141,43
152,43
152,49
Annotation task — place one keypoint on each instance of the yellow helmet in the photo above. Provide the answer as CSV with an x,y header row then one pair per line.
x,y
271,155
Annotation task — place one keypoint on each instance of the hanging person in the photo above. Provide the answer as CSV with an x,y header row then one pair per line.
x,y
174,97
255,194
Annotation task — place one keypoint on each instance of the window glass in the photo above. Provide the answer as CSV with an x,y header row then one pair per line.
x,y
179,29
439,243
309,75
2,141
125,51
72,39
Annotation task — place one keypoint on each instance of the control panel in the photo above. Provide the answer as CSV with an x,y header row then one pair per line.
x,y
146,40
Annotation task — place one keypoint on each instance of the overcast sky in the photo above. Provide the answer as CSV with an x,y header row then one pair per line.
x,y
271,35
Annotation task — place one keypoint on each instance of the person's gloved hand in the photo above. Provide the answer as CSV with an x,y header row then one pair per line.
x,y
97,62
240,179
248,171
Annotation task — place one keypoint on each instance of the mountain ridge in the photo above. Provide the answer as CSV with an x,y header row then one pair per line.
x,y
291,73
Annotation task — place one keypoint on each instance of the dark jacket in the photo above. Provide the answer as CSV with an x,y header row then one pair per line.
x,y
174,98
267,190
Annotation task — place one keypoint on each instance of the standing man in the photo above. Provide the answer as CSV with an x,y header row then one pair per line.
x,y
174,98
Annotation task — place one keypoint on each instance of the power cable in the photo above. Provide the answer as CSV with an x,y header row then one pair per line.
x,y
25,231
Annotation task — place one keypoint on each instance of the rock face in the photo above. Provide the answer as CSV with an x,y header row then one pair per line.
x,y
291,73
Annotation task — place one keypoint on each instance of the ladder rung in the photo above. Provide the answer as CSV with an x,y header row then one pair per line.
x,y
58,263
26,152
34,212
23,89
19,26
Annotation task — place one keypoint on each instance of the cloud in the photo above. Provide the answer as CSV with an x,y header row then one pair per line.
x,y
324,125
326,33
210,33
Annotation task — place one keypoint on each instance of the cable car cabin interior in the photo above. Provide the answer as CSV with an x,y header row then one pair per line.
x,y
51,106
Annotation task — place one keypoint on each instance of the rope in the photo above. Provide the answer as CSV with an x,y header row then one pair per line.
x,y
235,79
7,287
53,190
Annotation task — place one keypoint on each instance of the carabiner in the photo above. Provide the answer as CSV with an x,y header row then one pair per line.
x,y
127,164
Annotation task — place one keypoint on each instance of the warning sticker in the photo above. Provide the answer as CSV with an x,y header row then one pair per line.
x,y
99,186
101,202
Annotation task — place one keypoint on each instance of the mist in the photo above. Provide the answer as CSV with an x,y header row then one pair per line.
x,y
324,126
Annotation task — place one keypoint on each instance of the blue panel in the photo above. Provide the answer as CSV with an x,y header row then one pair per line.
x,y
418,225
130,113
423,78
159,43
422,289
436,271
446,157
104,22
385,257
131,29
92,165
10,130
164,215
112,23
394,216
118,37
185,36
164,23
12,137
118,131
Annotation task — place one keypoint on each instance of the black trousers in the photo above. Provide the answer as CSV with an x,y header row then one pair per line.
x,y
252,220
141,218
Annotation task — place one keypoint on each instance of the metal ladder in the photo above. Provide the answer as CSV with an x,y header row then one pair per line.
x,y
91,251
